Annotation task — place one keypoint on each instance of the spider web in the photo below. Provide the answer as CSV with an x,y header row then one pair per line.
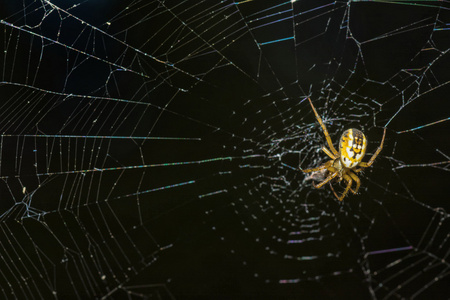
x,y
151,149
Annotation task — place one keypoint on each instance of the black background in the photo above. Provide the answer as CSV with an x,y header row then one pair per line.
x,y
204,72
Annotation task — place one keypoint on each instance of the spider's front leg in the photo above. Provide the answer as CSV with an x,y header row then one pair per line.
x,y
324,166
328,179
325,131
372,159
327,152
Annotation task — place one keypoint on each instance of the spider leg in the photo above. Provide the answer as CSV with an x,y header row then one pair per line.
x,y
349,184
334,192
329,178
372,159
327,152
324,166
325,131
356,179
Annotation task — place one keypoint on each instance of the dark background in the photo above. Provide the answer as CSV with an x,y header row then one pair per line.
x,y
150,150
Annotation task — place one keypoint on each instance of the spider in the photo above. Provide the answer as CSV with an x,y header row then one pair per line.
x,y
348,161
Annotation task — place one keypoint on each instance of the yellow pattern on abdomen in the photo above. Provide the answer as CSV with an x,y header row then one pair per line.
x,y
352,147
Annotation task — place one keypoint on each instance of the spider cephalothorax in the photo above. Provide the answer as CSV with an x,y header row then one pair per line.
x,y
348,161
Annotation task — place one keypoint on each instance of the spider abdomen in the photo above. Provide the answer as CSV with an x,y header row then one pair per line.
x,y
352,147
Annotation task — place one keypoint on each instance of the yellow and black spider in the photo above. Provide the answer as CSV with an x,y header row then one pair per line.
x,y
348,161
